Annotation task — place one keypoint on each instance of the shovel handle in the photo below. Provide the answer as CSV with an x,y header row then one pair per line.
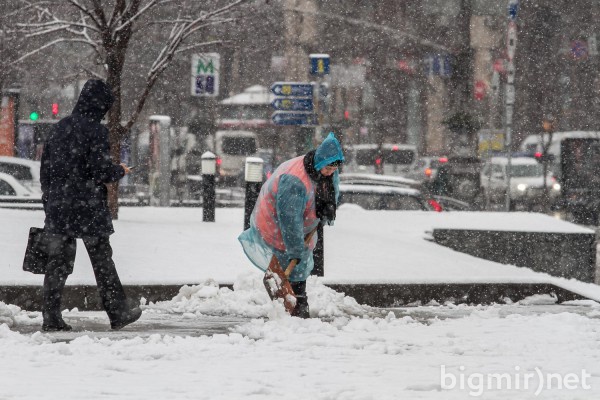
x,y
294,262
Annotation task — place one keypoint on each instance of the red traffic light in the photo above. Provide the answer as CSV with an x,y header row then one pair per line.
x,y
54,109
346,114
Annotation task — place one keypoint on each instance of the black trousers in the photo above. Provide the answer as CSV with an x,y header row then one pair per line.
x,y
60,265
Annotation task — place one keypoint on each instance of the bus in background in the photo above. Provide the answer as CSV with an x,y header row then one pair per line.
x,y
391,159
231,149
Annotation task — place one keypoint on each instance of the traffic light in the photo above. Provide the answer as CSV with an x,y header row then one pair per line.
x,y
54,109
34,116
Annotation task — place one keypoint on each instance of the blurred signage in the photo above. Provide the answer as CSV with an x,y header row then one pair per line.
x,y
293,104
295,89
439,65
490,141
579,49
319,64
513,9
294,118
205,74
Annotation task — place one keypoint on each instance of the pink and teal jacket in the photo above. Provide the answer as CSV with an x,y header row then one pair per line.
x,y
285,213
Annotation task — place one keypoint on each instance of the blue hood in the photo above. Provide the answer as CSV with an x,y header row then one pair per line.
x,y
328,151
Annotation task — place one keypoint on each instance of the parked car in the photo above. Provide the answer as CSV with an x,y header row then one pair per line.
x,y
391,159
9,186
377,197
424,169
375,179
27,172
458,178
526,181
451,204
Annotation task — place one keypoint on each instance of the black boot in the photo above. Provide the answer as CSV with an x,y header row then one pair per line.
x,y
54,284
61,257
121,311
301,310
129,315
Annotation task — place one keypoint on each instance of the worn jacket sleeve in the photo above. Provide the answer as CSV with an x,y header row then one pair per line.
x,y
101,166
290,205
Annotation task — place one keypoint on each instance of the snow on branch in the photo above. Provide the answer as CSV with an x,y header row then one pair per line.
x,y
45,46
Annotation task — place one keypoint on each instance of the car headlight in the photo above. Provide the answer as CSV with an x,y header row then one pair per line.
x,y
556,186
522,187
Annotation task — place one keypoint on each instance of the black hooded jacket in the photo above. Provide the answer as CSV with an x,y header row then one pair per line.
x,y
76,164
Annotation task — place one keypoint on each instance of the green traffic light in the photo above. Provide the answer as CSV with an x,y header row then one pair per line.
x,y
34,116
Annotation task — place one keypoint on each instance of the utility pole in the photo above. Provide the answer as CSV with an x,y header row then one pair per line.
x,y
511,44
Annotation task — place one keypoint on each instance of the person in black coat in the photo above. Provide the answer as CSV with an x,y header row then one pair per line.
x,y
75,168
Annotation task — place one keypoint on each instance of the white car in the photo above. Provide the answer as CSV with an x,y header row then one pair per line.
x,y
12,188
27,172
526,181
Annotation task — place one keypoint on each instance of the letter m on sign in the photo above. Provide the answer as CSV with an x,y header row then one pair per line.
x,y
205,75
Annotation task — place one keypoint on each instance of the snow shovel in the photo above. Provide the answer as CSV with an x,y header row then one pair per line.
x,y
276,279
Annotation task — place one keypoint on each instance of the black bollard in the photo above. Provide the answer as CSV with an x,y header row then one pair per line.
x,y
319,254
209,166
253,176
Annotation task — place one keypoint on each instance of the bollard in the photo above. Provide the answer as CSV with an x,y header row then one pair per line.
x,y
209,169
253,176
319,254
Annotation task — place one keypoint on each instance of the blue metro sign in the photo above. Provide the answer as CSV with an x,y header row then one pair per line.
x,y
293,89
293,118
293,104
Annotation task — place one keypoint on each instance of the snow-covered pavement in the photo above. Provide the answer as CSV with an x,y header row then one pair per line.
x,y
216,343
350,352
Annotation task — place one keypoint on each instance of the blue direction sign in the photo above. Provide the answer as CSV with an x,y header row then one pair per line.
x,y
293,118
293,104
292,89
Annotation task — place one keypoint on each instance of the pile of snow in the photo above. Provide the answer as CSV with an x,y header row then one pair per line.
x,y
7,314
249,299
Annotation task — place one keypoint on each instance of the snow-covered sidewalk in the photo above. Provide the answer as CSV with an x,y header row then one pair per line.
x,y
172,246
351,352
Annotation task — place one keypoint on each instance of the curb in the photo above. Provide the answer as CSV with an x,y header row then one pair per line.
x,y
85,298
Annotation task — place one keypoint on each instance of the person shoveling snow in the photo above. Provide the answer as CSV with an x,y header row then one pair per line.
x,y
301,194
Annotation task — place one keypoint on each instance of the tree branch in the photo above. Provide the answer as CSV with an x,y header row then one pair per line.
x,y
86,12
45,46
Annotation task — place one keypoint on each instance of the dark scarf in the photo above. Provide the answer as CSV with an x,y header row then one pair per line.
x,y
325,193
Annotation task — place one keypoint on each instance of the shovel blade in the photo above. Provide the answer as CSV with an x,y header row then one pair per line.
x,y
278,286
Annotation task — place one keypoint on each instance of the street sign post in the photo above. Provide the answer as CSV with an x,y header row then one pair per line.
x,y
509,100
